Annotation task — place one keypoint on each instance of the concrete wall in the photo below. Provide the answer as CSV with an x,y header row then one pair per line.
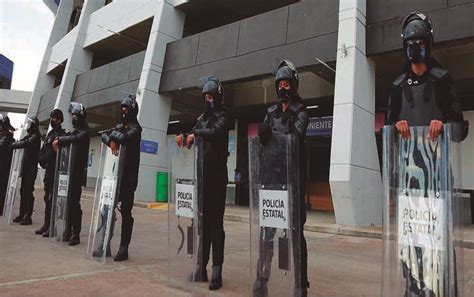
x,y
104,84
300,32
46,104
452,19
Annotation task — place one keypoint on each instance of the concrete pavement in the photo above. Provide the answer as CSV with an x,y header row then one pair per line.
x,y
30,265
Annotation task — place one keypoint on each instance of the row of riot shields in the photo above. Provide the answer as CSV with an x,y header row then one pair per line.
x,y
422,214
274,212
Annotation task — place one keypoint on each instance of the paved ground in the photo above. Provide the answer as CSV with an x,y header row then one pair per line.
x,y
339,265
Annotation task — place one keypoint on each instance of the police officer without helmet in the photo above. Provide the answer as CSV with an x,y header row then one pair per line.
x,y
127,134
6,154
81,138
423,94
47,161
213,127
288,116
31,145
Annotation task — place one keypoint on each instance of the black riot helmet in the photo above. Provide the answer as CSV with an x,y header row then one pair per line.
x,y
78,112
131,104
286,70
213,86
32,125
417,27
5,123
56,114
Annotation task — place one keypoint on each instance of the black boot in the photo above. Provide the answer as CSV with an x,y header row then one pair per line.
x,y
42,230
122,253
26,221
216,278
46,233
74,240
18,218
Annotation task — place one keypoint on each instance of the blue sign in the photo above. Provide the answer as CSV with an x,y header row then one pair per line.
x,y
232,144
319,127
149,147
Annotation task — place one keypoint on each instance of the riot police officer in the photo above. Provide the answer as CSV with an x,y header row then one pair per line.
x,y
213,127
288,116
47,160
127,134
6,154
81,138
422,95
31,144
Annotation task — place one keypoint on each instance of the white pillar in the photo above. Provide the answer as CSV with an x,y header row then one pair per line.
x,y
355,178
79,61
45,82
168,24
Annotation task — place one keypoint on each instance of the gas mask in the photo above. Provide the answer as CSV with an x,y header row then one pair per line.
x,y
284,95
415,51
208,106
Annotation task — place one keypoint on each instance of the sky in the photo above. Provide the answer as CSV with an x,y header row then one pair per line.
x,y
24,31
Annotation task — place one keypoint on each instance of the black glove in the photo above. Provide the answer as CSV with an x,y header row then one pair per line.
x,y
105,138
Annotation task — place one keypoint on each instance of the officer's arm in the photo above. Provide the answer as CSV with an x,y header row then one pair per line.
x,y
124,138
301,123
25,142
82,135
220,128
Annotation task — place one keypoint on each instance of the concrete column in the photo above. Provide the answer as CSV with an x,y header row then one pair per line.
x,y
355,178
168,24
78,62
45,82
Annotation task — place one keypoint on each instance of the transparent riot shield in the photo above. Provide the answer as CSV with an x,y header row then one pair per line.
x,y
275,228
61,194
106,195
184,213
14,182
422,214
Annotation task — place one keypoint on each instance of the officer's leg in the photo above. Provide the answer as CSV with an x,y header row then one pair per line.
x,y
75,214
218,234
47,211
126,197
264,263
217,224
30,195
23,202
3,191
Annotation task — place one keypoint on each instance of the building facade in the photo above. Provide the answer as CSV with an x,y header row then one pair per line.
x,y
348,52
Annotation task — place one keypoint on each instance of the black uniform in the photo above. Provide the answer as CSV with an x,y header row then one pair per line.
x,y
31,145
6,153
213,127
128,136
80,137
292,121
47,160
421,99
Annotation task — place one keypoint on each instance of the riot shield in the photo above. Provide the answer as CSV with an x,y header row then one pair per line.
x,y
422,214
106,195
61,194
275,228
184,213
14,182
